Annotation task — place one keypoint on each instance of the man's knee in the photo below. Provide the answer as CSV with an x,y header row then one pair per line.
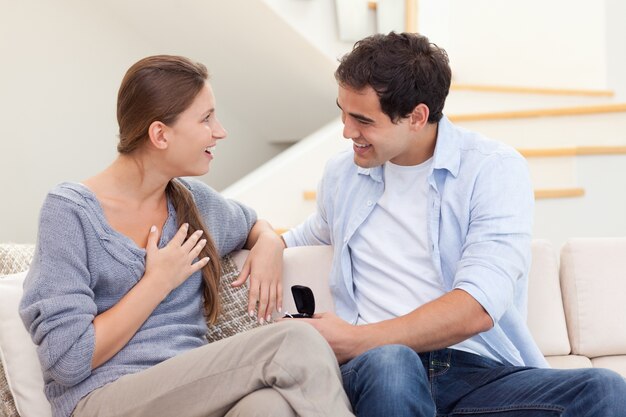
x,y
390,368
606,385
388,380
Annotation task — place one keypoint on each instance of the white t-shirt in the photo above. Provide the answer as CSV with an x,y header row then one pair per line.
x,y
392,266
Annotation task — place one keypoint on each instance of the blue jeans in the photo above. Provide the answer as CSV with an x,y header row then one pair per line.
x,y
395,381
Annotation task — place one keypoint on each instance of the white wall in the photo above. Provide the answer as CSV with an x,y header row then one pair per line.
x,y
434,21
317,22
615,46
62,63
276,189
536,43
600,213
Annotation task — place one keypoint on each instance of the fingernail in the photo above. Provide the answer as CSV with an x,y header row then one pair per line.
x,y
280,309
153,229
269,318
186,225
203,242
251,313
261,321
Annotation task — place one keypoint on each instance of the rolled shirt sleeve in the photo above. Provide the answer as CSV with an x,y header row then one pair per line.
x,y
496,252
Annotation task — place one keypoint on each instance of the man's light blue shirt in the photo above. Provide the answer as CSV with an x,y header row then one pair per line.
x,y
480,211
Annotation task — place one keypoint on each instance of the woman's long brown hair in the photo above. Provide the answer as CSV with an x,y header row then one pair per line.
x,y
159,88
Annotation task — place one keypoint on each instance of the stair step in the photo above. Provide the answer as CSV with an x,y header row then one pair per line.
x,y
600,126
462,103
531,90
525,114
572,151
550,172
559,193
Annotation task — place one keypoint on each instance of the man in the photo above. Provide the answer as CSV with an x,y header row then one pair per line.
x,y
431,228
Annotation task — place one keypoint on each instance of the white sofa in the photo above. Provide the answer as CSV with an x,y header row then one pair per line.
x,y
576,313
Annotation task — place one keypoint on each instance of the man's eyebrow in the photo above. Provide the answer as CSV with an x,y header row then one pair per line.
x,y
357,116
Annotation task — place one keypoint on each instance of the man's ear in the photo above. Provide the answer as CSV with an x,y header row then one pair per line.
x,y
419,116
157,132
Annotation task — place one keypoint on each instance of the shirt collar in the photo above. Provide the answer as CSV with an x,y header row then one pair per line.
x,y
375,173
447,152
447,149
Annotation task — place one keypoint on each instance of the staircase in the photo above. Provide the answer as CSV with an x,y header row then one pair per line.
x,y
574,142
554,107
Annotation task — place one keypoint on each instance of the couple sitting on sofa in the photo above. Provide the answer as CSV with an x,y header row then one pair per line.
x,y
430,227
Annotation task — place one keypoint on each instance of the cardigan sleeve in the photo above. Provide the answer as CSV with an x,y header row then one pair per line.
x,y
58,306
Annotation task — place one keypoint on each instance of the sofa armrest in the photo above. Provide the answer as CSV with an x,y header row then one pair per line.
x,y
306,265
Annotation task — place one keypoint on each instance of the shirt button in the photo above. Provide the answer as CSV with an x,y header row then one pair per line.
x,y
369,203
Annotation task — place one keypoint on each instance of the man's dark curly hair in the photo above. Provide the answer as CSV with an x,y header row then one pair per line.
x,y
404,69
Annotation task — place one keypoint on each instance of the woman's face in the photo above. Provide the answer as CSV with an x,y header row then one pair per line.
x,y
193,136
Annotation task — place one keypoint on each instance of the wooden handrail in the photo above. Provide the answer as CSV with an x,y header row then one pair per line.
x,y
309,195
539,193
531,90
572,151
548,152
559,193
600,150
410,14
522,114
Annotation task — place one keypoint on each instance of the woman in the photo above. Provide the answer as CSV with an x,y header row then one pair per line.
x,y
126,274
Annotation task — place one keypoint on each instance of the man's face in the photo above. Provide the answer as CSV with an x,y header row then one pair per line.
x,y
376,139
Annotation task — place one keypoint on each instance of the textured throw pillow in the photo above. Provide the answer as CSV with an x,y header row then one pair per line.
x,y
7,405
234,317
13,258
18,353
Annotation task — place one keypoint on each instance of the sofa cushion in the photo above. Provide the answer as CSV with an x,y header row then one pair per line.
x,y
18,352
546,319
593,279
569,361
616,363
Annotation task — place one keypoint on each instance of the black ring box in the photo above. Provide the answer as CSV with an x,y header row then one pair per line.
x,y
305,302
